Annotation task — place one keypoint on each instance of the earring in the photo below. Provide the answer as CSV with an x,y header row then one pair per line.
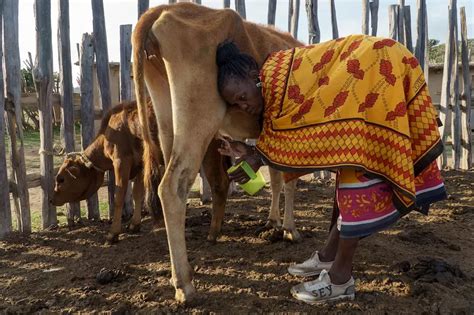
x,y
258,84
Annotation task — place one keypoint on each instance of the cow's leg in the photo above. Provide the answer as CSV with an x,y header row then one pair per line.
x,y
197,124
276,182
138,193
215,166
290,233
160,95
122,173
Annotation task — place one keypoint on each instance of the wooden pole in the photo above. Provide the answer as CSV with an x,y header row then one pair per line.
x,y
454,89
240,7
87,111
73,209
421,49
401,19
393,21
171,1
374,16
313,24
226,3
143,5
272,5
13,109
5,209
365,17
295,14
466,133
43,78
407,21
103,76
126,94
448,84
335,31
197,1
290,14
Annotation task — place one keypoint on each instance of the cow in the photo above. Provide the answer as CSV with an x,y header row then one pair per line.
x,y
174,52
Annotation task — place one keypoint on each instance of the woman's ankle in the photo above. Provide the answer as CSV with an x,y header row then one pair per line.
x,y
324,256
338,278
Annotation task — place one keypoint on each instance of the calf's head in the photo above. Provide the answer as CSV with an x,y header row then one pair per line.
x,y
75,181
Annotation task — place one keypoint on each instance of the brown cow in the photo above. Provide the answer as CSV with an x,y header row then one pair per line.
x,y
118,147
174,48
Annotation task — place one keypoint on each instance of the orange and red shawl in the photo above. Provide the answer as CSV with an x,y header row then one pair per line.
x,y
357,101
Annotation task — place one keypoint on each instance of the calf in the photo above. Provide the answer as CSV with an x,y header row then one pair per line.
x,y
117,147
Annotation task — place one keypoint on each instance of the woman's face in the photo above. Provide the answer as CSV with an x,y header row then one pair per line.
x,y
243,94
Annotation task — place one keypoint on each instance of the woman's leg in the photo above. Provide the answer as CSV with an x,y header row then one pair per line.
x,y
341,269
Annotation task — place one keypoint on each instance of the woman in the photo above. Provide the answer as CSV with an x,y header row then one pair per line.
x,y
359,106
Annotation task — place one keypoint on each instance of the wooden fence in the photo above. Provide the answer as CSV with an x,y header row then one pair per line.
x,y
455,101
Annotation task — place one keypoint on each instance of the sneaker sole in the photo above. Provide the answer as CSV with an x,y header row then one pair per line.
x,y
340,298
305,274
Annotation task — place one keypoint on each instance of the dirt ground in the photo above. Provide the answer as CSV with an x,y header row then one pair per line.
x,y
423,264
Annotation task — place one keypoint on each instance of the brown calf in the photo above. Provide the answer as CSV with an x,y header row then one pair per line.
x,y
118,147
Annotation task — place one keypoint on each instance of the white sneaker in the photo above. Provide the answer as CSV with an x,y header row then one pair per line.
x,y
311,267
323,290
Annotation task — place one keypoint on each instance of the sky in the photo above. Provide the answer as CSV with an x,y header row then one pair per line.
x,y
118,12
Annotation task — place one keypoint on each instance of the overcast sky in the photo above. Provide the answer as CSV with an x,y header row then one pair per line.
x,y
117,12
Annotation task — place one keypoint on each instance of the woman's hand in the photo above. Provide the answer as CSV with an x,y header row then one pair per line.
x,y
235,149
239,175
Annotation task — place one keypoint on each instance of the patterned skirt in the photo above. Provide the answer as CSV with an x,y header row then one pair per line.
x,y
366,205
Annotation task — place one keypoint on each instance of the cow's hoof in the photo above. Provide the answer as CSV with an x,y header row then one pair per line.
x,y
132,228
111,239
270,225
212,238
292,236
186,294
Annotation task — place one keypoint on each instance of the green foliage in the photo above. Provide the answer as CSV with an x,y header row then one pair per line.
x,y
437,51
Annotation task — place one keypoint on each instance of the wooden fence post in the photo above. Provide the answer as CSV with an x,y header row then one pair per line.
x,y
13,109
313,24
87,111
407,21
143,5
103,77
240,7
374,16
43,78
295,14
365,17
335,31
171,1
401,19
393,21
421,37
449,83
5,209
126,94
73,209
466,133
226,3
272,5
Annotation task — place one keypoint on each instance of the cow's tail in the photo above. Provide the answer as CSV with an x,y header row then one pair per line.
x,y
152,155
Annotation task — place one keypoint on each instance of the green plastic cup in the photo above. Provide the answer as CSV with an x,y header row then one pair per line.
x,y
256,181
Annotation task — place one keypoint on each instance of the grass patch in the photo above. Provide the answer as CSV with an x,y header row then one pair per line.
x,y
37,223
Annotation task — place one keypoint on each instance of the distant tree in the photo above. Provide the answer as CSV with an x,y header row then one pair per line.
x,y
436,50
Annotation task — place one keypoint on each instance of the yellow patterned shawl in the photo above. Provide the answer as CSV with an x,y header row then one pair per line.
x,y
357,101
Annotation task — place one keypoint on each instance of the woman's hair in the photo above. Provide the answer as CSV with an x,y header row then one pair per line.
x,y
232,63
